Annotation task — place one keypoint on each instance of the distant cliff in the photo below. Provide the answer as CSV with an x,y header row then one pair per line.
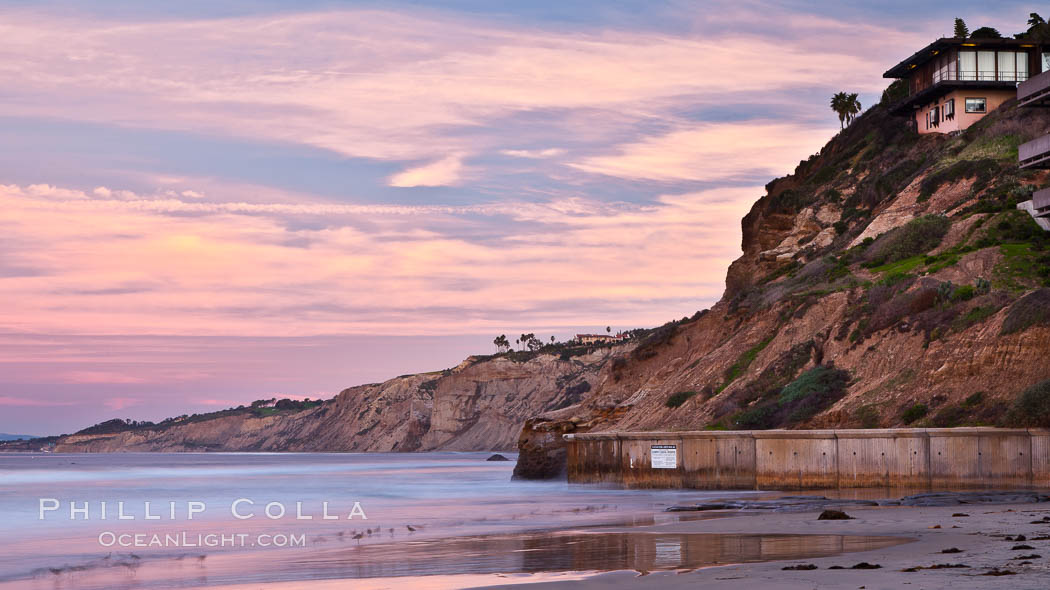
x,y
478,405
890,280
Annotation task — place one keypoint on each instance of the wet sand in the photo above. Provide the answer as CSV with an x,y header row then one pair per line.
x,y
656,549
981,537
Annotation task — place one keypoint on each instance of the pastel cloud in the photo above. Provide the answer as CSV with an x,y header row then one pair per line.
x,y
577,177
711,152
443,172
120,403
7,400
94,376
534,154
389,86
241,268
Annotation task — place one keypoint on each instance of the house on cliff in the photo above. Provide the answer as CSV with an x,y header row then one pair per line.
x,y
600,338
953,82
1035,93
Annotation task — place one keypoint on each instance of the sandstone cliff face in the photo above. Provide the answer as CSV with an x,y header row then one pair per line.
x,y
895,261
479,405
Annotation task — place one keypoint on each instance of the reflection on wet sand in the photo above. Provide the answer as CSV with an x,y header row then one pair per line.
x,y
578,551
547,553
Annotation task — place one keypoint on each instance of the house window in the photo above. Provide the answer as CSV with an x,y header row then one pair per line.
x,y
968,65
986,65
949,110
1046,62
976,105
1007,66
1022,66
935,116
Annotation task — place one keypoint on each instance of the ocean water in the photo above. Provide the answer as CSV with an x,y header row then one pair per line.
x,y
389,516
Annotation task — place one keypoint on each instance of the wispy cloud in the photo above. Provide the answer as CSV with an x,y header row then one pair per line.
x,y
121,403
443,172
235,267
534,154
388,86
84,377
712,152
6,400
380,172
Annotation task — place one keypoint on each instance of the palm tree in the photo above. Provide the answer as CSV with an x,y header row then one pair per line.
x,y
846,106
852,107
838,104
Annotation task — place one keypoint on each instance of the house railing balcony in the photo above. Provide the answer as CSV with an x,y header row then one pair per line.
x,y
924,90
1035,91
952,75
1035,153
1041,203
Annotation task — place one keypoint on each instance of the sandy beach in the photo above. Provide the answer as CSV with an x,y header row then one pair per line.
x,y
981,535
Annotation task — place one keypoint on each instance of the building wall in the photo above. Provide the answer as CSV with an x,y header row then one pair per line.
x,y
935,458
993,100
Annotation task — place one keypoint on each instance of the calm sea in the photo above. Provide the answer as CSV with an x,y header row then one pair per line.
x,y
427,514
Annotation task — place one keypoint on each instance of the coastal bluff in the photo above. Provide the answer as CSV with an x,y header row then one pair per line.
x,y
478,405
890,281
918,458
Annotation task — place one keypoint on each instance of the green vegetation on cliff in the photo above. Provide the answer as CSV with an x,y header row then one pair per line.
x,y
801,399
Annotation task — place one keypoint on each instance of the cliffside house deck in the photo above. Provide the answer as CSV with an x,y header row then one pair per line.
x,y
1035,92
952,83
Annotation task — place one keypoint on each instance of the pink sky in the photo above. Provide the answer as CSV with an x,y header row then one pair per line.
x,y
326,178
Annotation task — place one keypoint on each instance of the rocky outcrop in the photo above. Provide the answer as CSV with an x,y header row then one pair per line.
x,y
478,405
541,446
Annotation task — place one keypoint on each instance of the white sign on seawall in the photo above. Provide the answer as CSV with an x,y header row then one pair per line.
x,y
663,456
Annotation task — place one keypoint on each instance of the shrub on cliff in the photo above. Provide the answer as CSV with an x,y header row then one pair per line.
x,y
902,305
809,394
975,410
1031,310
982,171
758,418
1032,407
655,339
918,236
115,425
742,363
914,413
677,399
1012,227
812,392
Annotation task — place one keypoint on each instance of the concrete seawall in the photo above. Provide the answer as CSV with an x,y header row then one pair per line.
x,y
933,458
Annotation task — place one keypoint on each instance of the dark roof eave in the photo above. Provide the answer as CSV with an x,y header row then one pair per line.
x,y
923,55
901,69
